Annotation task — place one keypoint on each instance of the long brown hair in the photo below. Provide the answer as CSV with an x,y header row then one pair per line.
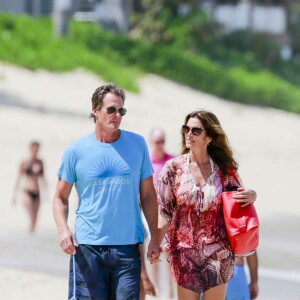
x,y
219,148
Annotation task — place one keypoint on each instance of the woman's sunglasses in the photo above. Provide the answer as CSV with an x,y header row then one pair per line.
x,y
195,130
111,110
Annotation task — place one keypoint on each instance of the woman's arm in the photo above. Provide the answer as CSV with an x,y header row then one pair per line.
x,y
245,196
17,184
163,227
43,181
242,195
43,177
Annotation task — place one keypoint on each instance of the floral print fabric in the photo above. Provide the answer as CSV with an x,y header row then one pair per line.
x,y
200,256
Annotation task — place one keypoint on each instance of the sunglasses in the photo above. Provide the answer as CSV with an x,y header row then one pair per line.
x,y
111,110
161,142
195,130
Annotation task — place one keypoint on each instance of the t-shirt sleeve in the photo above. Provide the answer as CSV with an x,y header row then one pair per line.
x,y
164,190
66,170
146,169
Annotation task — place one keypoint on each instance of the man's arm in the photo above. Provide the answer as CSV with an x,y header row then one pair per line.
x,y
149,205
252,262
60,213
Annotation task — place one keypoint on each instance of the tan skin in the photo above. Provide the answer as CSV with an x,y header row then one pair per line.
x,y
252,262
31,184
107,131
201,171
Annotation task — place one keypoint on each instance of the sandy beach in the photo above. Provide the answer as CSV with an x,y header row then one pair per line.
x,y
54,109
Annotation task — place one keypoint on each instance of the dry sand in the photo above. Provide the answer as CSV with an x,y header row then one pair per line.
x,y
54,109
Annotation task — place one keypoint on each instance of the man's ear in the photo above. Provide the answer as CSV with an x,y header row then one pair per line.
x,y
94,111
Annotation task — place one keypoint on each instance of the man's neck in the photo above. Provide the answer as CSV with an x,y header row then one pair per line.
x,y
106,137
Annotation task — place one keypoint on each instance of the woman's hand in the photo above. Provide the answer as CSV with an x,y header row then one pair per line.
x,y
244,196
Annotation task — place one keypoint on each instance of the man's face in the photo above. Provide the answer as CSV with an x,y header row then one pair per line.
x,y
110,121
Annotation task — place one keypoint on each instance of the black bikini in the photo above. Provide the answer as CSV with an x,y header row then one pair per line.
x,y
34,196
29,170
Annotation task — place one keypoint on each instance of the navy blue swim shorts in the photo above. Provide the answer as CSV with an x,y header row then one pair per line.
x,y
105,273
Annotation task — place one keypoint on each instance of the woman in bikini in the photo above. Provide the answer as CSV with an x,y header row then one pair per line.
x,y
31,170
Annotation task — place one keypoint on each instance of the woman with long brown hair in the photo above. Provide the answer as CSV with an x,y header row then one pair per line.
x,y
189,192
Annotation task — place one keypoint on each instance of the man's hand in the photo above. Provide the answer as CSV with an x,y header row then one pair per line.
x,y
244,196
67,242
153,252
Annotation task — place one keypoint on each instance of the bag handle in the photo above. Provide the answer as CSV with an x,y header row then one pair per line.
x,y
231,172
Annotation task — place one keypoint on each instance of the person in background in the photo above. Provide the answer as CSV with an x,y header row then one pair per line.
x,y
159,157
189,192
110,168
238,288
31,170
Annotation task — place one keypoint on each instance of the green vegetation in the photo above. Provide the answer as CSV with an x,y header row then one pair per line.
x,y
197,33
121,59
29,43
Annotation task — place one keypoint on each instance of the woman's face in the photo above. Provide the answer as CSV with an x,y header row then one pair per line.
x,y
196,140
157,141
34,149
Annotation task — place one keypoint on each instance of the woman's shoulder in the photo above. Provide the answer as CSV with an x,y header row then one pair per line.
x,y
177,162
173,168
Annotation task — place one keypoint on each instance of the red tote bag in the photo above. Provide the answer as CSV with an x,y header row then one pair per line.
x,y
241,223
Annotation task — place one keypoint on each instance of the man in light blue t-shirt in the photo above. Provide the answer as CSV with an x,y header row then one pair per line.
x,y
110,168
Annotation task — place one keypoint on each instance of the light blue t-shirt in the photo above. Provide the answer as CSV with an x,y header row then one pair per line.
x,y
107,178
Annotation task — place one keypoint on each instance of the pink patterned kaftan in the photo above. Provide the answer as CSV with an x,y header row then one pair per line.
x,y
200,256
